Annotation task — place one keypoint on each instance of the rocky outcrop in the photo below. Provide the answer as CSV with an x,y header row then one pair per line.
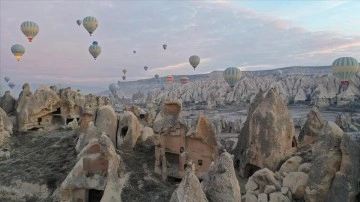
x,y
7,103
296,182
320,89
107,121
128,131
99,167
312,128
51,109
189,189
268,135
326,158
221,184
345,186
325,168
343,120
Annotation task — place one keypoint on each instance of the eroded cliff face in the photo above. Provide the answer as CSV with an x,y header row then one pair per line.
x,y
318,90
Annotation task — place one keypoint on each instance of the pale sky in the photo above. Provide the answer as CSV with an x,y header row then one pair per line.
x,y
251,35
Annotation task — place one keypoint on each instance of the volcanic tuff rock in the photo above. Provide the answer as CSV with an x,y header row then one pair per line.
x,y
49,108
107,121
128,131
221,184
326,154
7,103
268,135
99,167
319,90
189,189
343,120
345,186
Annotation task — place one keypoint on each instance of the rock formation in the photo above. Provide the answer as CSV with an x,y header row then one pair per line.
x,y
7,103
345,186
324,168
98,171
107,121
268,135
174,147
325,137
319,90
48,108
189,189
343,120
128,131
220,183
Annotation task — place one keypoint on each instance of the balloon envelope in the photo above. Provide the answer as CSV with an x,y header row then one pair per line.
x,y
232,75
124,71
95,43
90,23
11,85
344,68
7,79
184,80
164,46
78,22
30,29
113,87
95,50
170,79
194,61
134,51
18,51
146,68
124,78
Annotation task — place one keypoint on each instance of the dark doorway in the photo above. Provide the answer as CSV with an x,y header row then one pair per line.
x,y
124,130
249,170
142,116
95,195
58,111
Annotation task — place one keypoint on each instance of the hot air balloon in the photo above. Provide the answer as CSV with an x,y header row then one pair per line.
x,y
113,87
146,68
164,46
232,75
78,22
184,80
170,79
30,29
194,61
344,68
95,49
90,23
124,71
7,79
11,85
18,51
134,51
124,77
157,77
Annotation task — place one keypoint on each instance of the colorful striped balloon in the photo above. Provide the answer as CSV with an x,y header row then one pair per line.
x,y
344,68
30,29
90,23
232,75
